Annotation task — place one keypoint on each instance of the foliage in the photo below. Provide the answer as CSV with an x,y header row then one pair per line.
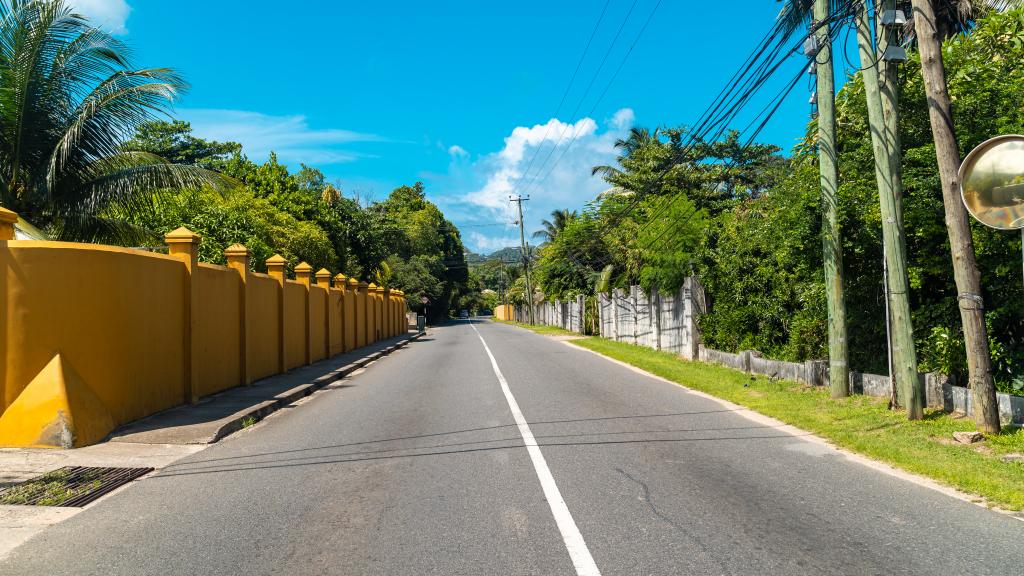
x,y
755,237
69,98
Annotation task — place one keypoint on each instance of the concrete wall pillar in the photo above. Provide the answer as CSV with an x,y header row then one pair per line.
x,y
323,280
276,265
362,337
238,260
184,245
304,273
7,221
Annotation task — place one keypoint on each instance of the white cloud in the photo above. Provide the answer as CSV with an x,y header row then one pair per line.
x,y
457,151
111,15
290,137
623,119
550,162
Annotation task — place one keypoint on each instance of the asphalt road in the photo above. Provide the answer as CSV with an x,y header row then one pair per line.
x,y
417,466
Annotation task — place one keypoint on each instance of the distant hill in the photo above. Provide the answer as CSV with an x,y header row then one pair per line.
x,y
474,258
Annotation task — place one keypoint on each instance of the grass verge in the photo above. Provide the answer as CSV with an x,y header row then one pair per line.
x,y
860,423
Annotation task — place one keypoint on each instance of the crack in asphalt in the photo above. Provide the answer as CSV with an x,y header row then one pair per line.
x,y
705,554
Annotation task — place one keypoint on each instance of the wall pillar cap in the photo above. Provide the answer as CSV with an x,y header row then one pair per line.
x,y
8,216
182,235
303,268
323,273
236,250
276,259
362,284
353,281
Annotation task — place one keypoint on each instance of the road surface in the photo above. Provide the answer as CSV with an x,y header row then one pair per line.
x,y
419,465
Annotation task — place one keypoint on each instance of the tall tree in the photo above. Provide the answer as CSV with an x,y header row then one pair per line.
x,y
69,98
965,266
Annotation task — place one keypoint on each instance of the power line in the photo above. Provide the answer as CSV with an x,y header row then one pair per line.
x,y
568,87
575,132
751,77
586,93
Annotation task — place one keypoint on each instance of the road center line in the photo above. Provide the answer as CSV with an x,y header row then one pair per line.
x,y
571,536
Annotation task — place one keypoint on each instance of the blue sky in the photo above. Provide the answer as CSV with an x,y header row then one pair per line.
x,y
459,95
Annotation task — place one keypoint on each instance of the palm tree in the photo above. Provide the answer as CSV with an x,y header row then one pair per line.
x,y
638,138
552,228
69,100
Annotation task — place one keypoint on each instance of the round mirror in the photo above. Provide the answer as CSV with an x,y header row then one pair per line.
x,y
992,182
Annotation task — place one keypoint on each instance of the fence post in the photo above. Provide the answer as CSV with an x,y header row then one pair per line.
x,y
655,311
238,260
184,245
276,269
323,280
7,221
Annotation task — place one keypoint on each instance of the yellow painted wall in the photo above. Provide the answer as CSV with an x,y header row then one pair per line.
x,y
262,330
317,323
349,313
381,328
361,318
116,315
294,324
335,308
502,312
123,325
219,329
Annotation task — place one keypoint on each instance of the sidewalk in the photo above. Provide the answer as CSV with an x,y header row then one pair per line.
x,y
218,415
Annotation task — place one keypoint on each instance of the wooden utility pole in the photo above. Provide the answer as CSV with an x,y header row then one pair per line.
x,y
965,267
909,386
526,254
839,378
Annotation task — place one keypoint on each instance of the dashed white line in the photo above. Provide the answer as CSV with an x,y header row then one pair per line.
x,y
578,551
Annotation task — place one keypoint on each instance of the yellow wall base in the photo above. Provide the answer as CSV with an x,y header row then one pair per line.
x,y
56,410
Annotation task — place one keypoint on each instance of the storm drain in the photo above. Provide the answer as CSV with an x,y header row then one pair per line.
x,y
73,486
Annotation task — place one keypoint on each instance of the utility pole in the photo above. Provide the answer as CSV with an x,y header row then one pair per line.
x,y
965,266
526,253
911,390
838,375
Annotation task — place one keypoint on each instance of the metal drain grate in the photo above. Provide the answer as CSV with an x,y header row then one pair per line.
x,y
72,486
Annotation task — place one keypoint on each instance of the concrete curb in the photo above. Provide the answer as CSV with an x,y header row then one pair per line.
x,y
253,414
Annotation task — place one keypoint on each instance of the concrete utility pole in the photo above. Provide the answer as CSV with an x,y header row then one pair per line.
x,y
839,375
526,254
965,266
883,142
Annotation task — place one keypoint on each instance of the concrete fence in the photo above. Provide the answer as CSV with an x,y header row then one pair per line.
x,y
569,315
662,321
669,322
96,336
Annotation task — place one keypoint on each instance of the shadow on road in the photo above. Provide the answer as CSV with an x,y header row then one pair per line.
x,y
260,462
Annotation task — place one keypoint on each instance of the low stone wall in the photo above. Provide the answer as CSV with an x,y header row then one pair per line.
x,y
940,392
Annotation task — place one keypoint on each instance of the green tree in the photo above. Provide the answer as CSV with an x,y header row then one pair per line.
x,y
69,98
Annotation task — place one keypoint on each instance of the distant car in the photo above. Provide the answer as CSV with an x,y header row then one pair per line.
x,y
463,314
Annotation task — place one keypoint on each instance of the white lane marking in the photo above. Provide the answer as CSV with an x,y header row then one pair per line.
x,y
571,536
